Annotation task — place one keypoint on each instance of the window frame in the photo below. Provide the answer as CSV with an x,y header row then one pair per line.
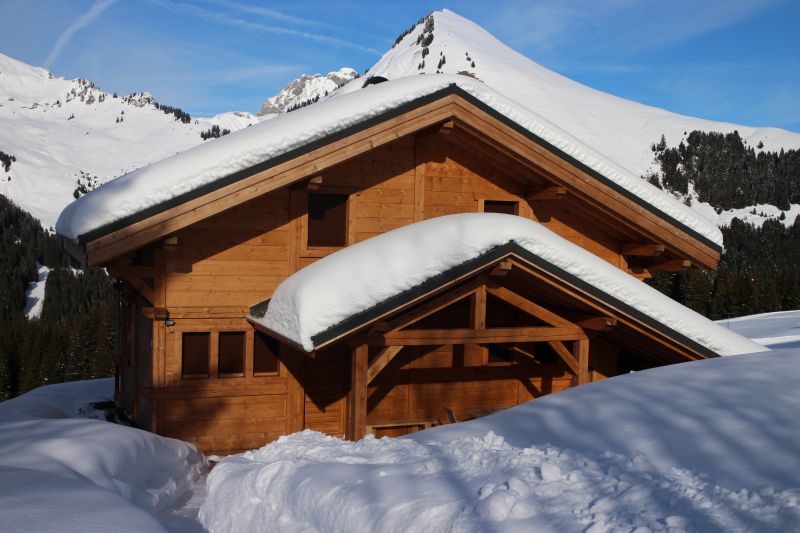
x,y
350,210
516,201
218,336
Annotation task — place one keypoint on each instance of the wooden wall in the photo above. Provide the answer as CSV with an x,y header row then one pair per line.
x,y
209,275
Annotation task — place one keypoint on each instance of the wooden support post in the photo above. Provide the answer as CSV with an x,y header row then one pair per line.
x,y
565,355
477,315
295,365
357,405
581,351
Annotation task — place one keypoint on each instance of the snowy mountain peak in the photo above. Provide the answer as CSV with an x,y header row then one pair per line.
x,y
306,90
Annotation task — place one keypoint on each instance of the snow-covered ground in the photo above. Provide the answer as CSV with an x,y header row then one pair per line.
x,y
64,468
776,330
704,446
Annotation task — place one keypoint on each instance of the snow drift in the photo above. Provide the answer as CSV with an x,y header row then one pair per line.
x,y
60,471
362,275
680,448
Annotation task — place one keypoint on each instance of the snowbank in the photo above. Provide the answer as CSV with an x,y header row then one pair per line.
x,y
74,473
360,276
623,453
183,173
780,329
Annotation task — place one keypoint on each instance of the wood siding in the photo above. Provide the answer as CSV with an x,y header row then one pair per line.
x,y
208,274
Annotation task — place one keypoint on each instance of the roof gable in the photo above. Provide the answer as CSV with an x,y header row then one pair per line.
x,y
364,282
276,155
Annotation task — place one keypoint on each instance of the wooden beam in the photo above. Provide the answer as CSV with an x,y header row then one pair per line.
x,y
314,183
477,310
550,193
640,249
432,337
143,289
523,304
565,355
433,305
381,361
597,323
358,392
674,265
580,349
501,269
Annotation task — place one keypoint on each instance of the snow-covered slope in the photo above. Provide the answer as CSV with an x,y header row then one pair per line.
x,y
69,133
620,129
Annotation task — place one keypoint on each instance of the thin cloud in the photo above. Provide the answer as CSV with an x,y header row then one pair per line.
x,y
266,13
81,22
227,20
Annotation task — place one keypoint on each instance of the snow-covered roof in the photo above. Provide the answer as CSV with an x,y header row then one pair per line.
x,y
362,276
155,187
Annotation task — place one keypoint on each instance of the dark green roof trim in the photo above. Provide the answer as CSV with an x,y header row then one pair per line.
x,y
495,254
452,89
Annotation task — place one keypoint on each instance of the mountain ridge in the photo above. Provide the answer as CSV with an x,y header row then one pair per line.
x,y
68,136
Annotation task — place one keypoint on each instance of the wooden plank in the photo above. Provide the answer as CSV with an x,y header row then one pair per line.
x,y
381,361
549,193
358,392
565,355
580,351
419,182
425,337
523,304
597,323
640,249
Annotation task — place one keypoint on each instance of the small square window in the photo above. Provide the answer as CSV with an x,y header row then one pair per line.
x,y
231,353
265,354
327,220
195,356
500,206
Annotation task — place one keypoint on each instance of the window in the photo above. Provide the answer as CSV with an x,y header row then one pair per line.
x,y
231,353
265,354
327,220
500,206
196,349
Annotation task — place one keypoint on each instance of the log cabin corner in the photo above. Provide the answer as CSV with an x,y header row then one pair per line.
x,y
197,269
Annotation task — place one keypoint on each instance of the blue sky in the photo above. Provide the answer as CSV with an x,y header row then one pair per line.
x,y
729,60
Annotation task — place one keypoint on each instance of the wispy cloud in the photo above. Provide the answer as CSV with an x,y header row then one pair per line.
x,y
81,22
266,13
228,20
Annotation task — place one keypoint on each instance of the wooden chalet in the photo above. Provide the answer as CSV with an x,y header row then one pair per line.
x,y
502,329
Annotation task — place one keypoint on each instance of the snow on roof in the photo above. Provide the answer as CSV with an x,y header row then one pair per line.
x,y
151,188
365,274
